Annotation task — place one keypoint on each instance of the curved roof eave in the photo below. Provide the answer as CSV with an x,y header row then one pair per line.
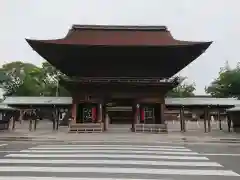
x,y
50,49
70,42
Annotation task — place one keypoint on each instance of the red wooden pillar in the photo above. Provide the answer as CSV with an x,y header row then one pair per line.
x,y
94,114
142,115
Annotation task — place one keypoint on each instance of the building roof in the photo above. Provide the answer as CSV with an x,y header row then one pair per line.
x,y
6,107
234,109
196,101
26,100
104,46
118,36
169,101
94,61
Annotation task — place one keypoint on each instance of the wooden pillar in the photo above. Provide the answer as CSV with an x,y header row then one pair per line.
x,y
182,124
137,120
54,117
104,111
30,125
162,108
183,120
14,122
219,119
136,111
205,120
21,111
134,114
209,119
157,113
180,118
74,112
13,114
99,119
57,120
229,122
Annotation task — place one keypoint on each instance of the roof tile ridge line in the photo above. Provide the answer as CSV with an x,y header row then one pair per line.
x,y
119,27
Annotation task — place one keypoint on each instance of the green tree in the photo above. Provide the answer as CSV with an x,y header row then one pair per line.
x,y
52,77
33,83
227,84
182,90
16,72
3,79
25,79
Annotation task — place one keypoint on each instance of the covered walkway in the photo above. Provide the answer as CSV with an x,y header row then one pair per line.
x,y
181,114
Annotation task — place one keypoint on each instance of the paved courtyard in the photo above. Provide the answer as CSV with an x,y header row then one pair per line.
x,y
194,133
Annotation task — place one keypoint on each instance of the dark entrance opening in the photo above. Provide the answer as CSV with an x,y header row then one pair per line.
x,y
120,115
86,113
120,111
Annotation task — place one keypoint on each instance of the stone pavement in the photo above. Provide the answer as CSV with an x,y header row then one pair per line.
x,y
44,132
127,136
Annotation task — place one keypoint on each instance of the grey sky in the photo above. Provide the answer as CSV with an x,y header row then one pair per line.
x,y
217,20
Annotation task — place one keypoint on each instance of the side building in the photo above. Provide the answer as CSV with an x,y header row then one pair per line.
x,y
181,110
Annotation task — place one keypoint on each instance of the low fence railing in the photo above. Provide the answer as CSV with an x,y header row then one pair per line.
x,y
86,127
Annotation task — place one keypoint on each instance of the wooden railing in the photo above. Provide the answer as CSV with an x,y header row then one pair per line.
x,y
125,80
86,128
154,128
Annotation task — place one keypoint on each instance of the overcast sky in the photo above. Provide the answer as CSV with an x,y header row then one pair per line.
x,y
196,20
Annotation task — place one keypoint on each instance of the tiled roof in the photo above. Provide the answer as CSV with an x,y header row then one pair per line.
x,y
6,107
202,101
25,100
21,100
237,108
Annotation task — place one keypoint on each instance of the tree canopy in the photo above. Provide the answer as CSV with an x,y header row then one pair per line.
x,y
183,89
25,79
227,84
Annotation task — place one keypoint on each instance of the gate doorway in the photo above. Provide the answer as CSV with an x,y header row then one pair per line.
x,y
120,115
120,118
